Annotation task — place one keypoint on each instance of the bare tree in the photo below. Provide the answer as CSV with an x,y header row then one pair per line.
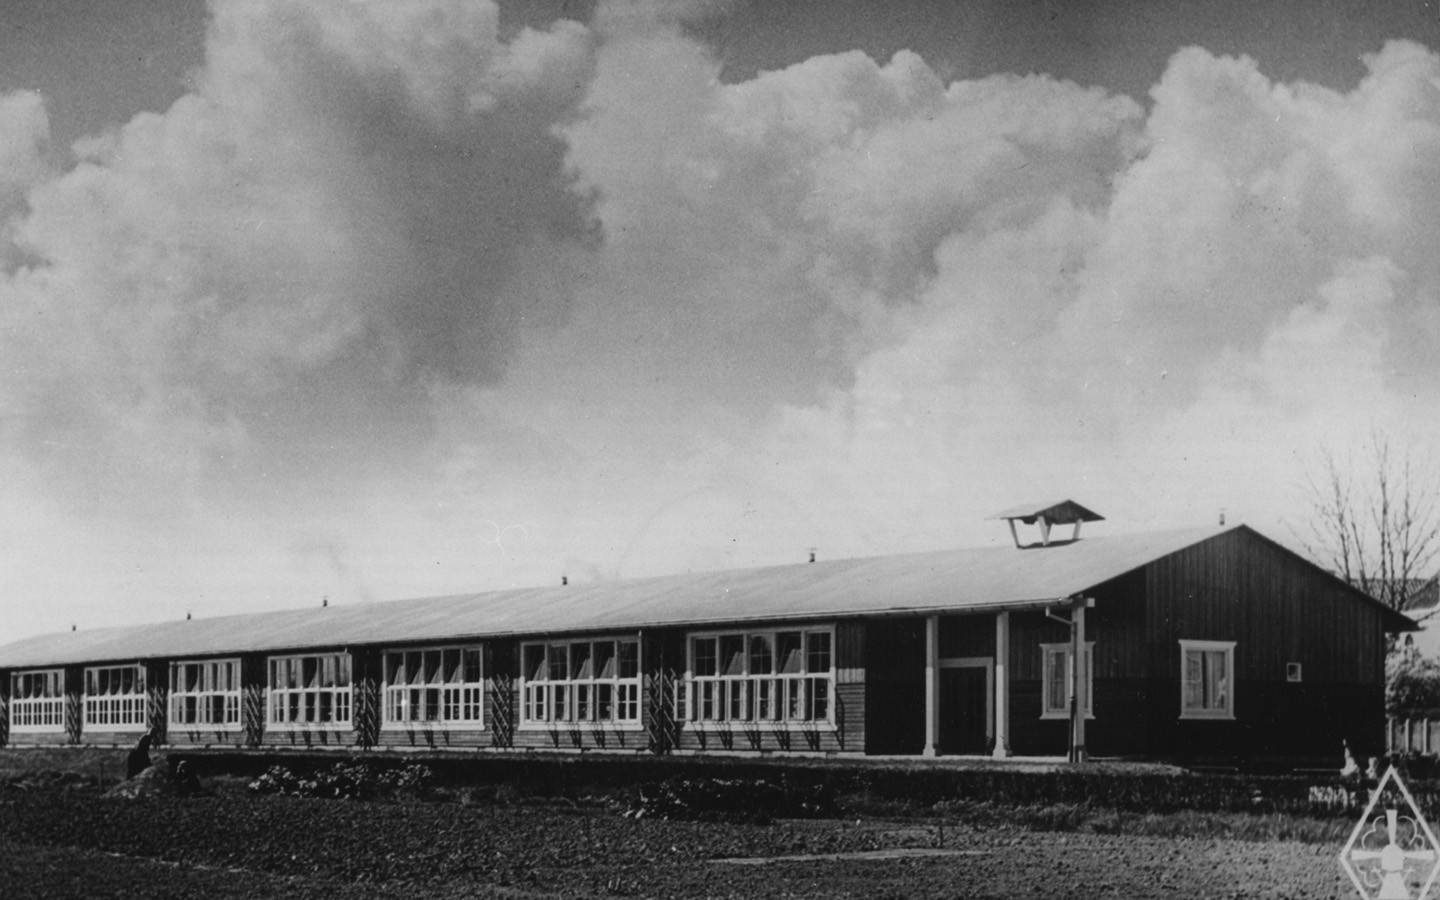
x,y
1376,523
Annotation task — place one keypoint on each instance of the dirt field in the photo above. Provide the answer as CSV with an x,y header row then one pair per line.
x,y
67,841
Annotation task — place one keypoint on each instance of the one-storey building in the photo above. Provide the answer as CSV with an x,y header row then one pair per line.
x,y
1196,645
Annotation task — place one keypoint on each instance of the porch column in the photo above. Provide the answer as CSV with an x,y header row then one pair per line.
x,y
932,685
1002,685
1078,752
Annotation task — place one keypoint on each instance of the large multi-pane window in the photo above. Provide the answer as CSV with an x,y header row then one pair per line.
x,y
205,694
310,691
1058,683
582,681
37,700
115,698
1207,678
440,685
761,676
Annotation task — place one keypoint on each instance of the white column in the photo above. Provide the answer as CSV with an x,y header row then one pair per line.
x,y
1002,685
1077,651
932,685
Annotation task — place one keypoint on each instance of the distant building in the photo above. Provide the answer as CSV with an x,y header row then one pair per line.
x,y
1201,645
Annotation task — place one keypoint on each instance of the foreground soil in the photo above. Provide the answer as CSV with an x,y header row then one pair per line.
x,y
64,841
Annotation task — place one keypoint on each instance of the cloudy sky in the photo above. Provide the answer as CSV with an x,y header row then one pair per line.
x,y
371,301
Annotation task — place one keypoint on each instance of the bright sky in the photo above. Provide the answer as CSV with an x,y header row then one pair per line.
x,y
373,301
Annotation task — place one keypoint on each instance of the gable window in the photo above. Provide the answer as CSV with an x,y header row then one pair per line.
x,y
441,685
37,700
761,676
582,681
205,693
115,698
310,691
1059,683
1207,679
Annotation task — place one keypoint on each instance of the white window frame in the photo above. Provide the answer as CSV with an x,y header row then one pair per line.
x,y
581,697
40,714
1226,647
1048,655
112,709
278,698
202,690
457,702
746,699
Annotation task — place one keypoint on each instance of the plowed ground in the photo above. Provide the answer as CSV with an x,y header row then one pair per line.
x,y
68,843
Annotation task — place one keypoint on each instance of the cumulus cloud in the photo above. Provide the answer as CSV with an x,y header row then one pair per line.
x,y
391,305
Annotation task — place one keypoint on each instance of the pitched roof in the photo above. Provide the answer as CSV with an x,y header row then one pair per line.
x,y
948,580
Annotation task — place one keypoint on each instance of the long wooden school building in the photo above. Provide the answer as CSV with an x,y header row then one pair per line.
x,y
1198,645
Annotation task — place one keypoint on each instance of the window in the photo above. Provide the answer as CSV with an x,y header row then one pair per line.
x,y
115,698
771,676
205,694
440,685
1207,676
310,691
37,700
1058,682
1292,672
582,681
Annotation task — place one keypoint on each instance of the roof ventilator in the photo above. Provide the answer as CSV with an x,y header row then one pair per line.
x,y
1046,515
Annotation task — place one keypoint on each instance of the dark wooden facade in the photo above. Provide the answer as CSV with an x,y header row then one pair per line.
x,y
1238,586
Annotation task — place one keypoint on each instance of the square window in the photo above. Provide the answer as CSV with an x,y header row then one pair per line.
x,y
1207,678
1058,681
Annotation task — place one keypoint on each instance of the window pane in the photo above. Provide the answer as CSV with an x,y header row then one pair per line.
x,y
1058,672
535,662
432,667
1216,692
629,659
559,662
732,654
705,662
817,658
450,663
1194,687
788,652
580,668
605,659
762,655
472,666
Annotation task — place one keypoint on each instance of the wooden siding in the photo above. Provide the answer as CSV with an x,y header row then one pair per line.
x,y
850,652
74,703
253,676
894,696
192,736
967,636
1277,609
367,679
157,689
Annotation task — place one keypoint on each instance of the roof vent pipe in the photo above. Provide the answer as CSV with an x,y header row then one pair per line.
x,y
564,580
812,554
325,601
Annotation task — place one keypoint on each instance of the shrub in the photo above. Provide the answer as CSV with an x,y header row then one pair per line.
x,y
756,800
345,781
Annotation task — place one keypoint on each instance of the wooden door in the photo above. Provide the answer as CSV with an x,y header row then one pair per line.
x,y
964,718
